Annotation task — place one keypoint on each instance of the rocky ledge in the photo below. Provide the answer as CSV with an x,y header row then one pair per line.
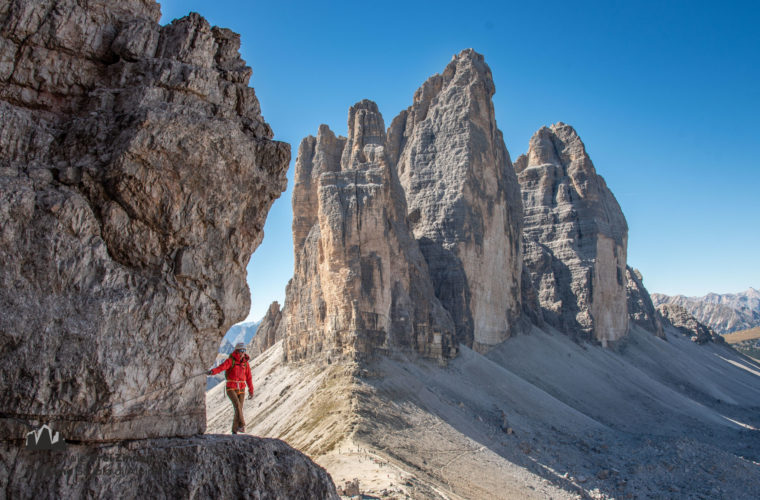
x,y
208,466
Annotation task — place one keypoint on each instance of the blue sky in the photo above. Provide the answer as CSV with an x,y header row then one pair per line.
x,y
665,95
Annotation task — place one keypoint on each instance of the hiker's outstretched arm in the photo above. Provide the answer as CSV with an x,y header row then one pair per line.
x,y
224,366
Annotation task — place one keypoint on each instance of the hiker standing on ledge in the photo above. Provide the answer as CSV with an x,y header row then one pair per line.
x,y
237,371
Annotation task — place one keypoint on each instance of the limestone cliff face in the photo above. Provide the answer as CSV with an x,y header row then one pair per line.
x,y
136,173
463,199
575,237
682,320
268,332
641,310
360,284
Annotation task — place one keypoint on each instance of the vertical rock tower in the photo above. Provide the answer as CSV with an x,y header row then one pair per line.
x,y
463,199
360,283
412,239
575,237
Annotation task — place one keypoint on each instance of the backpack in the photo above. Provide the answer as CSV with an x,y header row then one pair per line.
x,y
245,362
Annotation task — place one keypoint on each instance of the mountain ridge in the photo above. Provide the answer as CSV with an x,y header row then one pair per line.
x,y
724,313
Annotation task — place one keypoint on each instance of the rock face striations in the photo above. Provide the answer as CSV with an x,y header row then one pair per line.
x,y
171,468
268,332
136,175
683,321
360,282
724,313
408,239
463,199
641,310
575,237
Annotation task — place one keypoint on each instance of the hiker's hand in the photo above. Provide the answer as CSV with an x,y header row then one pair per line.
x,y
250,395
209,373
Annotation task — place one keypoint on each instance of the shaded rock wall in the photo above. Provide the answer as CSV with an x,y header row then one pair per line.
x,y
682,320
196,467
463,199
268,332
641,310
136,173
360,283
575,237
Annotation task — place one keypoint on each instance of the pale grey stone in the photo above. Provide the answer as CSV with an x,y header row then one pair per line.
x,y
679,318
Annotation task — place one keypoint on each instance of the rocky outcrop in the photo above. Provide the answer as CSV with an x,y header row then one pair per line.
x,y
724,313
269,330
136,173
575,237
641,311
463,200
679,318
360,284
167,468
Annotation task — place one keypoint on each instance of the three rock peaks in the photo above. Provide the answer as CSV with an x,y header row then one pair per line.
x,y
425,235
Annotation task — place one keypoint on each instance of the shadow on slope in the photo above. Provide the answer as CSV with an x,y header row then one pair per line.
x,y
655,418
652,418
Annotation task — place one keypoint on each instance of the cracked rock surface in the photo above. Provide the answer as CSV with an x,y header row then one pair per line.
x,y
168,468
136,173
361,283
575,237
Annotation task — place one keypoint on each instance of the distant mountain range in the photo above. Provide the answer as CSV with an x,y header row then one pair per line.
x,y
724,313
242,332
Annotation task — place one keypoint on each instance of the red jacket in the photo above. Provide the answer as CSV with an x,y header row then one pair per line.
x,y
238,374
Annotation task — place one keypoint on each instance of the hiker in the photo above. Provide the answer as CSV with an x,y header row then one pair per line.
x,y
237,371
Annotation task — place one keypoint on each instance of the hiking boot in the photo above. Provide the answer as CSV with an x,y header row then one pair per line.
x,y
240,430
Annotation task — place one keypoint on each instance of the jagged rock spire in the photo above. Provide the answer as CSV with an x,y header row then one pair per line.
x,y
360,283
575,237
463,199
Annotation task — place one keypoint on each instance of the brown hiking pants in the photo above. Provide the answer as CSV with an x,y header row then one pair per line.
x,y
237,397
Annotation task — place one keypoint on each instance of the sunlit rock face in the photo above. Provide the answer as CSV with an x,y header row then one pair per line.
x,y
136,173
361,285
575,237
463,199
